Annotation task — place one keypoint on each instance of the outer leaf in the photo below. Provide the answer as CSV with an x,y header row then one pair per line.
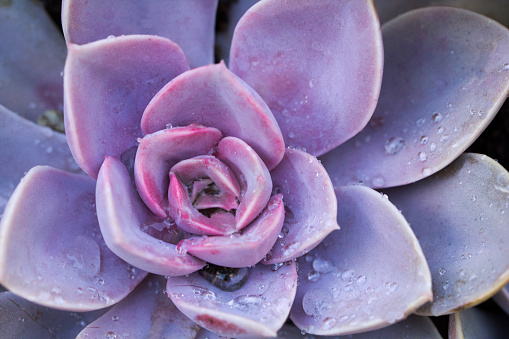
x,y
258,309
32,55
369,274
213,96
23,319
121,214
45,260
107,85
446,75
495,9
146,313
310,204
318,54
460,217
189,23
502,298
475,323
25,145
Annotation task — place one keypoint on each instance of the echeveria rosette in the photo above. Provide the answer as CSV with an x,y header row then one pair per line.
x,y
111,106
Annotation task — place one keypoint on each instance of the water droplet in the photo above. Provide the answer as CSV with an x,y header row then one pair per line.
x,y
473,198
442,271
391,286
420,121
114,318
424,139
347,275
110,334
422,156
284,232
440,130
426,171
505,67
328,323
110,37
169,126
322,266
275,267
316,301
432,147
437,117
394,145
22,319
361,279
49,149
378,181
311,84
445,285
313,275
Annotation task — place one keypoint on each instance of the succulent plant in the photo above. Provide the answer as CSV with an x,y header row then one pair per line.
x,y
186,199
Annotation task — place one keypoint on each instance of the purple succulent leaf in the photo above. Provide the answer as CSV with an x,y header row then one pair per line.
x,y
477,323
46,261
254,178
190,23
259,308
107,85
244,249
159,152
146,313
224,30
310,65
122,215
463,233
190,219
495,9
502,298
25,145
23,319
366,276
32,55
446,75
310,204
213,96
206,334
412,327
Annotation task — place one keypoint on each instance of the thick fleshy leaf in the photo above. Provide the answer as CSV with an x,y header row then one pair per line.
x,y
259,308
146,313
475,323
25,145
23,319
495,9
412,327
502,298
32,55
309,72
213,96
461,218
310,204
45,260
121,214
369,274
446,75
189,23
189,219
254,177
244,249
107,85
158,152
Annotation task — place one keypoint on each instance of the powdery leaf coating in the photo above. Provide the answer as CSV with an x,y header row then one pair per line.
x,y
366,276
159,152
477,323
190,23
23,319
46,261
446,75
310,205
412,327
309,72
32,55
213,96
244,249
502,298
121,215
463,233
104,100
146,313
495,9
257,309
25,145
